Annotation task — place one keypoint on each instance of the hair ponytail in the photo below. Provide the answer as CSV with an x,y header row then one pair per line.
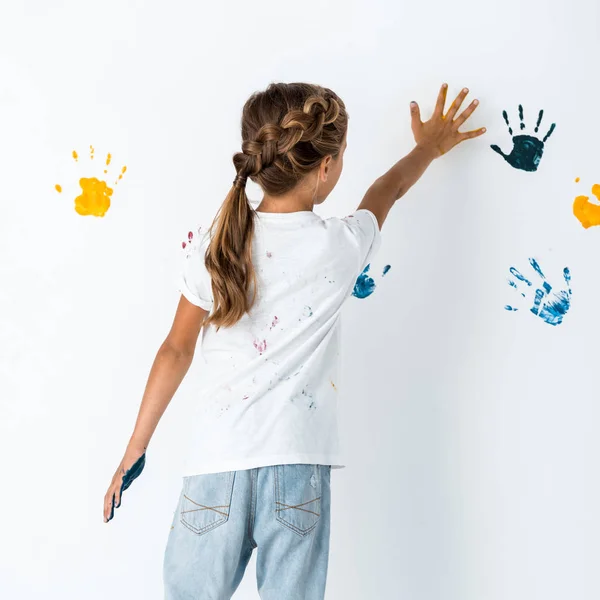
x,y
287,130
229,258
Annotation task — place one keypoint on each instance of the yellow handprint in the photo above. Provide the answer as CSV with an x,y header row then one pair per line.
x,y
588,213
95,193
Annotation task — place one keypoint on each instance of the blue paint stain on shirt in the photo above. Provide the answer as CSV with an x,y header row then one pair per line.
x,y
365,285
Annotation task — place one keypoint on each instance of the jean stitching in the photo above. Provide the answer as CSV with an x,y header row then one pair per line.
x,y
252,511
203,507
297,506
204,529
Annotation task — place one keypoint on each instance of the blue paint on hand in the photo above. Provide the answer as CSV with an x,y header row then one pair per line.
x,y
550,308
365,285
527,150
132,473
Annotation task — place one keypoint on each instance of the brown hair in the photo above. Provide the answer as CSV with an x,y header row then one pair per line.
x,y
287,130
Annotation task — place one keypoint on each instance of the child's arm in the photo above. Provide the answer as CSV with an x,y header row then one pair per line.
x,y
170,366
433,138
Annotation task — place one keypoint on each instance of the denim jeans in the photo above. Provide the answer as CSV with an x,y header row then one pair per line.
x,y
282,510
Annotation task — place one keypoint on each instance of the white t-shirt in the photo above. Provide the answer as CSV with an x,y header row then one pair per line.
x,y
271,392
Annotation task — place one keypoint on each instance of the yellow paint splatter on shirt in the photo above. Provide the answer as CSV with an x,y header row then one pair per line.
x,y
588,213
576,179
58,188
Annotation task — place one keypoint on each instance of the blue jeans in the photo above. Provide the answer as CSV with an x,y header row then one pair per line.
x,y
282,510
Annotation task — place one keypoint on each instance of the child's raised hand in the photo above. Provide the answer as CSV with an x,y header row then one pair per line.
x,y
440,134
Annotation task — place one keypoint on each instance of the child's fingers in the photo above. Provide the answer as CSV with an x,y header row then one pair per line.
x,y
415,114
465,114
108,505
467,135
441,101
456,104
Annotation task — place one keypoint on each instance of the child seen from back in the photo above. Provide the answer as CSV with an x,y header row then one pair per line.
x,y
264,288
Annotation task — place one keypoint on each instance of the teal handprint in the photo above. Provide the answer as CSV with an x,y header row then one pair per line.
x,y
527,149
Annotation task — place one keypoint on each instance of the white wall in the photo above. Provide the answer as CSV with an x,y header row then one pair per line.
x,y
470,431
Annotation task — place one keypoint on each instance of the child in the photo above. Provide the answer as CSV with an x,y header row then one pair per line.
x,y
266,287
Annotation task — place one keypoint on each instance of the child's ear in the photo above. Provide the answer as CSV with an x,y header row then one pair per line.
x,y
325,168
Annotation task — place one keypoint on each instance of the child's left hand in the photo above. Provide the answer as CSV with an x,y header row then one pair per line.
x,y
440,134
130,468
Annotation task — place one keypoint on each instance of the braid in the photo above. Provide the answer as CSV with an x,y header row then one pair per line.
x,y
287,130
274,141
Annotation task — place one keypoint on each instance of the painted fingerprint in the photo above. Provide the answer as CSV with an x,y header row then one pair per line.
x,y
191,241
588,213
260,345
96,194
527,150
305,398
548,305
365,285
307,312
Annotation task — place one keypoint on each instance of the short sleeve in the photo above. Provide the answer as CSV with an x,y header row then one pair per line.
x,y
194,280
365,229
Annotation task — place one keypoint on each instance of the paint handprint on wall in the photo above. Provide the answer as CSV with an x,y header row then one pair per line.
x,y
549,306
527,150
365,285
95,194
588,213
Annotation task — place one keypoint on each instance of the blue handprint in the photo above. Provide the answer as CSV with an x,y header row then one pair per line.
x,y
365,285
527,150
551,309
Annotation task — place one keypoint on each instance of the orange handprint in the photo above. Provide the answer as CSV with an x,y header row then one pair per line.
x,y
588,213
95,193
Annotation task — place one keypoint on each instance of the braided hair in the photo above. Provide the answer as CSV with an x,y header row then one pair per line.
x,y
287,130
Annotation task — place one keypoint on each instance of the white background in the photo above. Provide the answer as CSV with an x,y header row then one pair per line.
x,y
470,432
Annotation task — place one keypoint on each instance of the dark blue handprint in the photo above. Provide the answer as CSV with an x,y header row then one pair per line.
x,y
551,309
527,149
365,285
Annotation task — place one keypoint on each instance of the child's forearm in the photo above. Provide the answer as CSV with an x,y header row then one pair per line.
x,y
393,184
168,370
408,170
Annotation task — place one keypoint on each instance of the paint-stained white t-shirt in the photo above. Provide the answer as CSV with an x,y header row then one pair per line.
x,y
270,393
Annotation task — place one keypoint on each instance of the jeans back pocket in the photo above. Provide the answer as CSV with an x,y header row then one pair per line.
x,y
298,496
206,501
